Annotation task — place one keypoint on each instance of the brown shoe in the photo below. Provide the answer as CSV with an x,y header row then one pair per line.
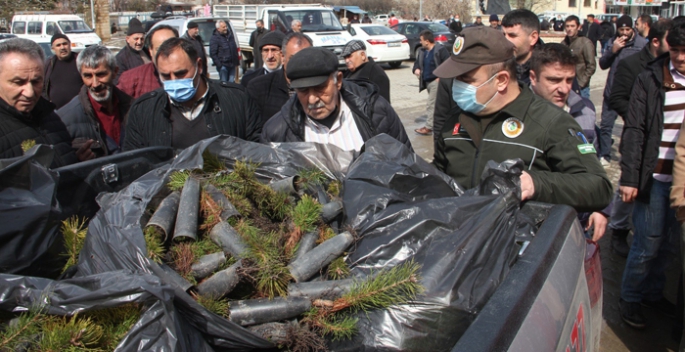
x,y
424,131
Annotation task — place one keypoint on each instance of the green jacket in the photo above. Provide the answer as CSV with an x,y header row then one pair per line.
x,y
547,142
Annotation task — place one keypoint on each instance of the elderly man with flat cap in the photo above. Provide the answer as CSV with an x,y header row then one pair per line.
x,y
496,118
269,47
362,67
62,79
328,110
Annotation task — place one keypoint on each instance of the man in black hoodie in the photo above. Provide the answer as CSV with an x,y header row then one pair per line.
x,y
362,67
328,110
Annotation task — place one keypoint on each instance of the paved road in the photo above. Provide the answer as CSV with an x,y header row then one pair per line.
x,y
616,335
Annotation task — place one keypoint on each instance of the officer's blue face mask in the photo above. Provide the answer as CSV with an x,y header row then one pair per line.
x,y
181,90
464,95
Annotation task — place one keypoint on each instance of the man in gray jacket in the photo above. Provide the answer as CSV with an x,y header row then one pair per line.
x,y
96,115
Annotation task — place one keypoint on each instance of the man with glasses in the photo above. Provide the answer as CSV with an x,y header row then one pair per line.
x,y
496,118
272,57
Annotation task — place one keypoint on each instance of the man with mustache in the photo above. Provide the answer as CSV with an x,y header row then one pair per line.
x,y
132,55
97,114
269,46
62,80
24,114
328,110
362,67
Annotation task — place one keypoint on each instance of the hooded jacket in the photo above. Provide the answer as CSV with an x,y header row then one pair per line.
x,y
41,125
611,60
372,114
82,121
227,110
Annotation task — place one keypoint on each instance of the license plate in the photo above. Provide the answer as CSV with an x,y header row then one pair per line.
x,y
393,44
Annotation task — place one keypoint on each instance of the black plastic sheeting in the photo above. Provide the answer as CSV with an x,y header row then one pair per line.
x,y
400,207
30,242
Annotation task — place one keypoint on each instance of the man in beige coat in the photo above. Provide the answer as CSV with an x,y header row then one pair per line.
x,y
678,202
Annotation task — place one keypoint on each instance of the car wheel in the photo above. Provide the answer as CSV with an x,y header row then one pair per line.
x,y
395,64
417,52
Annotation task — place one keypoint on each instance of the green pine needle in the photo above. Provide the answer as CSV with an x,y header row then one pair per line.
x,y
334,188
338,327
212,163
216,306
265,250
177,179
116,323
27,144
306,214
311,177
338,269
74,232
22,332
63,333
154,242
203,247
397,285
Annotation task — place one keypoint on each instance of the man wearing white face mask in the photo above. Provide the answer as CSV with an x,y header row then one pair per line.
x,y
496,118
189,107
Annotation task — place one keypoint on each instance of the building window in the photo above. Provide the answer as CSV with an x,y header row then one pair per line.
x,y
587,3
571,3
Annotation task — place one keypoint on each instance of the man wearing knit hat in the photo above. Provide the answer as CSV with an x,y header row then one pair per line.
x,y
498,119
362,67
62,79
193,35
133,54
269,47
494,22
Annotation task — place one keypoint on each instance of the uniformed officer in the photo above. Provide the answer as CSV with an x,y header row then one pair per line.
x,y
497,119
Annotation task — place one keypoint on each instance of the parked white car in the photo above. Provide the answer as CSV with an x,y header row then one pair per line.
x,y
382,43
40,26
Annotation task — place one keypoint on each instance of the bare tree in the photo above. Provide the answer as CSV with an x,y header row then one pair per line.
x,y
533,5
441,10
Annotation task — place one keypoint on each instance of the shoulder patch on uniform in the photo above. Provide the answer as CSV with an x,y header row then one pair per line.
x,y
586,149
512,127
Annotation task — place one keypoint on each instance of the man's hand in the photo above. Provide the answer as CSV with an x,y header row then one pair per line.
x,y
600,222
84,153
628,194
417,72
527,186
619,43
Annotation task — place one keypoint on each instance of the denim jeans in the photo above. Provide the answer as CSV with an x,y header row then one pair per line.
x,y
656,230
585,92
620,213
227,74
606,129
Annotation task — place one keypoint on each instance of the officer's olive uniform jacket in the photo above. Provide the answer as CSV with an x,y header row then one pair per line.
x,y
548,145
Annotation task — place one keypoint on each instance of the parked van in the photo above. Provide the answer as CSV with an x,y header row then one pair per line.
x,y
40,26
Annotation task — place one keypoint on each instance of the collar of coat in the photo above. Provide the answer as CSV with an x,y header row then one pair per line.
x,y
42,109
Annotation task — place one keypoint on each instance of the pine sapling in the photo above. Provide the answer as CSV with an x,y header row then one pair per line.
x,y
211,212
311,177
154,243
28,144
338,269
334,188
305,217
325,234
212,163
116,323
63,333
177,179
216,306
74,232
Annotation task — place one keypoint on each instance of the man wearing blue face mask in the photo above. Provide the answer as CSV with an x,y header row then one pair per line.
x,y
189,107
496,118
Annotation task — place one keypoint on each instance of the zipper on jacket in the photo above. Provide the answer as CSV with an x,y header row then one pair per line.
x,y
475,166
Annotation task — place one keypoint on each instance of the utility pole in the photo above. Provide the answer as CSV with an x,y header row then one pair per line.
x,y
420,10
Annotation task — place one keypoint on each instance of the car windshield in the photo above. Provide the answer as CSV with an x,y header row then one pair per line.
x,y
206,27
314,20
74,26
378,30
436,27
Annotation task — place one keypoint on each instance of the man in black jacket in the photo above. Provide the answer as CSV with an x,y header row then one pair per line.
x,y
362,67
624,77
62,80
224,51
431,56
98,112
272,91
652,127
25,116
269,49
522,28
256,35
328,110
133,54
193,35
194,107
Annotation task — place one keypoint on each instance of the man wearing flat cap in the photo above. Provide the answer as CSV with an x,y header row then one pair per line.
x,y
328,110
362,67
269,47
496,118
133,54
62,79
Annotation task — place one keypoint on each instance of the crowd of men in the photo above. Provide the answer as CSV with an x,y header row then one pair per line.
x,y
497,93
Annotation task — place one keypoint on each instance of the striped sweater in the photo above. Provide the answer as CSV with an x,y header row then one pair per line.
x,y
674,113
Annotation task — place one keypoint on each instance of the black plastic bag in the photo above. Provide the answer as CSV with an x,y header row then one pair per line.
x,y
30,242
404,209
